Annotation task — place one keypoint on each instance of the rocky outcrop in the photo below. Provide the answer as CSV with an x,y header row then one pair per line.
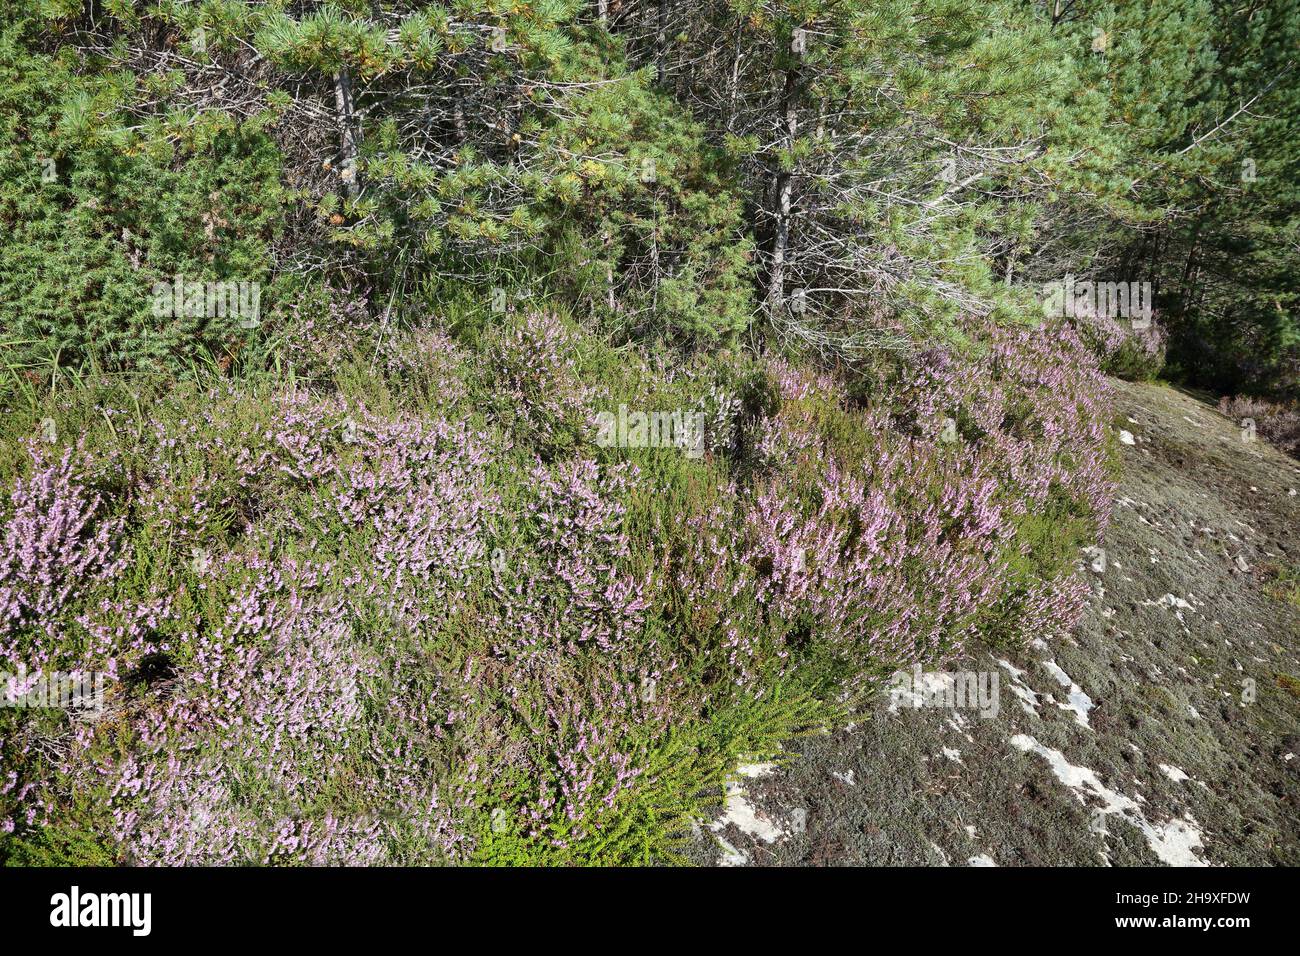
x,y
1166,728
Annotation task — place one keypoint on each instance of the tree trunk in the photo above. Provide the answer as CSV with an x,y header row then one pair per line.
x,y
784,196
661,42
1187,286
350,134
735,82
458,118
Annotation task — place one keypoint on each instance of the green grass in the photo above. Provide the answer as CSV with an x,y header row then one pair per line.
x,y
1282,581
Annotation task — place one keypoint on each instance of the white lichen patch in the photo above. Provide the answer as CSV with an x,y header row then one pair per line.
x,y
1174,842
1077,702
1028,699
730,855
932,685
746,817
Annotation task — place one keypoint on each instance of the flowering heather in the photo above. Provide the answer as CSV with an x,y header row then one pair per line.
x,y
325,329
356,633
577,518
426,359
1272,421
533,364
276,690
275,673
55,545
1123,349
1030,409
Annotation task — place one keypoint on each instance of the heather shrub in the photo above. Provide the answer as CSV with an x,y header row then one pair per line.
x,y
1027,409
891,534
101,206
413,612
1123,348
530,377
1274,421
426,364
321,330
56,545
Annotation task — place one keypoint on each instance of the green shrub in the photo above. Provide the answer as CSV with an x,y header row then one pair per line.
x,y
100,208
